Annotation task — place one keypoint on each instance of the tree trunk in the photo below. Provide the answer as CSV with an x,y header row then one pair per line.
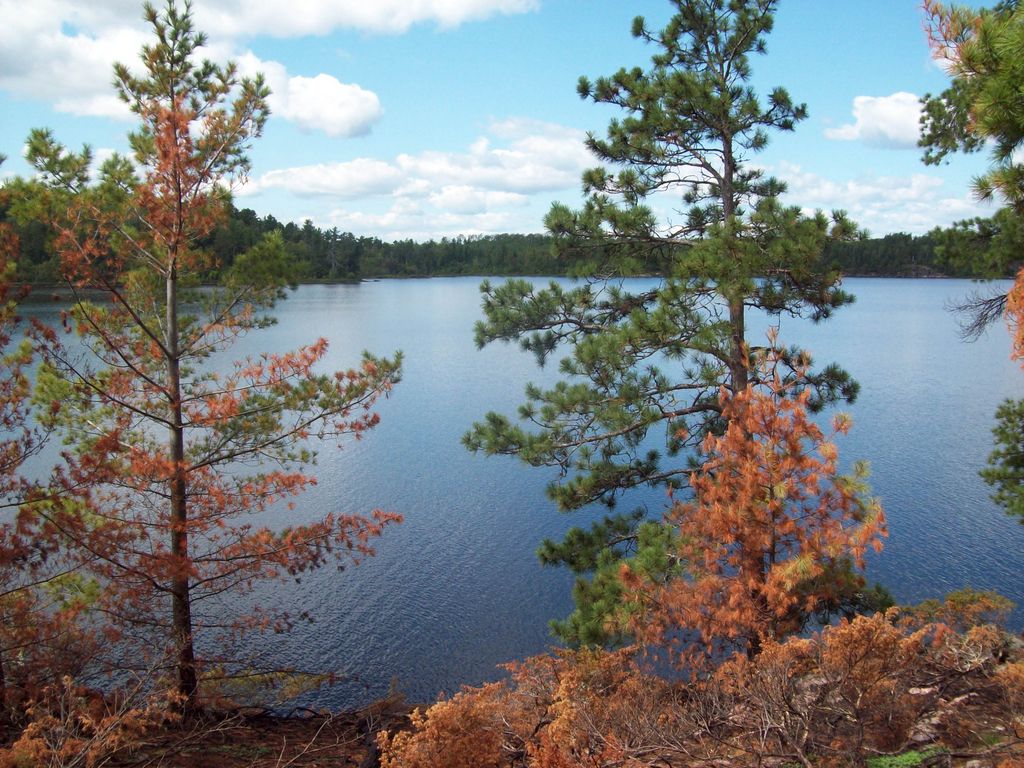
x,y
181,603
738,364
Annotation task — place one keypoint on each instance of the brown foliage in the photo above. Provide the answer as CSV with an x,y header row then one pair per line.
x,y
588,708
948,29
70,726
770,532
163,439
863,688
1015,316
845,692
466,731
1011,680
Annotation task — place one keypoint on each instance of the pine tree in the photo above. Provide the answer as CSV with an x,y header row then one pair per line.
x,y
982,109
773,537
174,452
654,358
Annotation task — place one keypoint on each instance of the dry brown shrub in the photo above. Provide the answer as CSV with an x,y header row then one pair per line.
x,y
1011,681
773,535
605,711
869,666
71,726
838,694
857,689
958,655
775,700
466,731
571,710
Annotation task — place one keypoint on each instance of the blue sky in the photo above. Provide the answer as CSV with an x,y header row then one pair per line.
x,y
431,118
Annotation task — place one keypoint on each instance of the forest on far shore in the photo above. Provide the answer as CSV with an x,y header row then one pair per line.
x,y
328,255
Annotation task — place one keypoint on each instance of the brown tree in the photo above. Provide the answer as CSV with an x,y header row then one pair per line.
x,y
172,448
772,535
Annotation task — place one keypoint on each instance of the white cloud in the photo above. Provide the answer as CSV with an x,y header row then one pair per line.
x,y
407,219
353,179
61,52
314,103
69,66
882,204
293,18
496,185
531,157
324,103
535,157
472,200
882,121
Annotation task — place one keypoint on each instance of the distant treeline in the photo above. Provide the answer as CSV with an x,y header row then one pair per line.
x,y
331,255
898,254
327,254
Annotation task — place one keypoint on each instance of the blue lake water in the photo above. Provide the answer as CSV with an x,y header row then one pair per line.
x,y
456,589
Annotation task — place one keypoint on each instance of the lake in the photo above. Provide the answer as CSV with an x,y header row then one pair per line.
x,y
456,589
